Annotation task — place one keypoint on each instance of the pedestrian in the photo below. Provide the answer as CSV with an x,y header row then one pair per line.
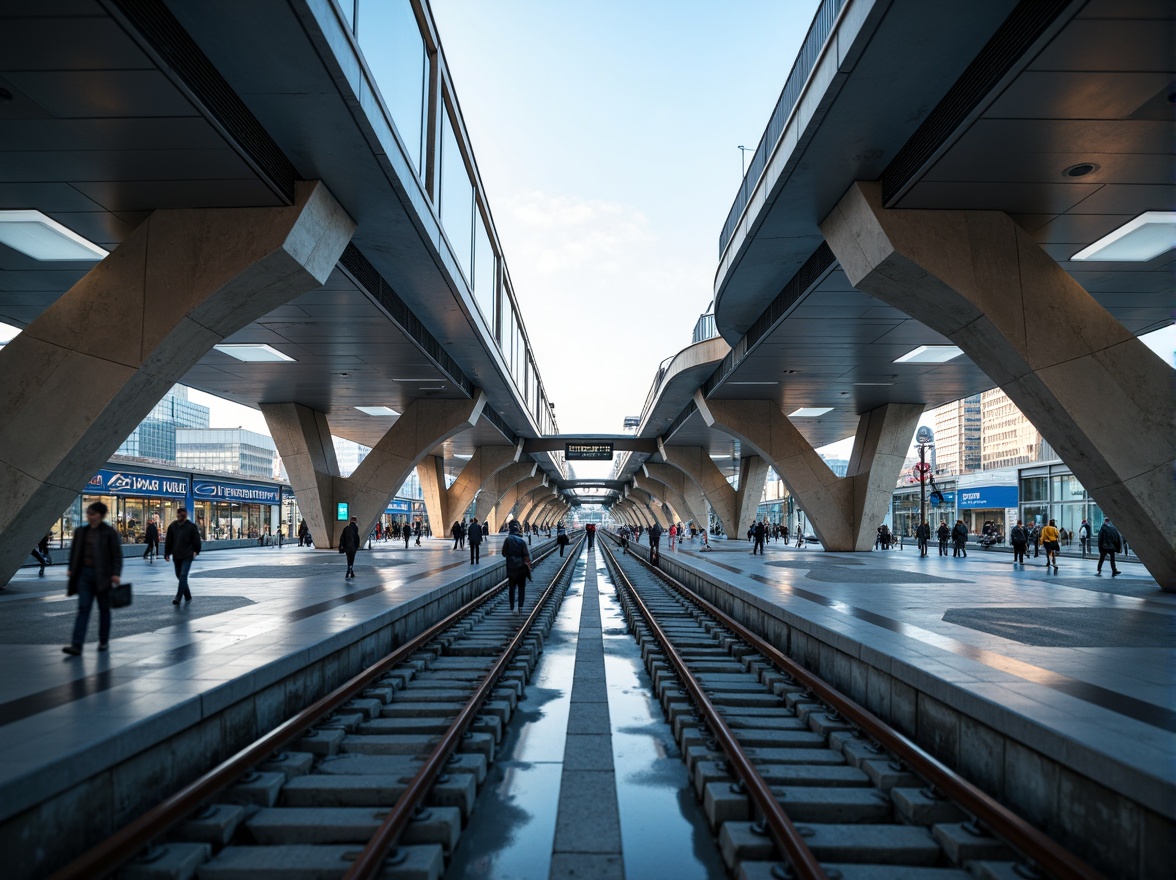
x,y
475,538
561,535
417,528
655,533
673,536
455,533
95,565
406,533
923,536
590,531
1110,542
151,539
303,534
1035,539
349,544
182,545
1050,540
624,533
1019,538
959,534
757,534
518,565
943,533
41,554
1084,537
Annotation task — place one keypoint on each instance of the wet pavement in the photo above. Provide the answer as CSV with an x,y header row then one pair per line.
x,y
589,782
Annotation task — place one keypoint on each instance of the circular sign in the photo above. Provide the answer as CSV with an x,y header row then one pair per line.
x,y
922,467
924,435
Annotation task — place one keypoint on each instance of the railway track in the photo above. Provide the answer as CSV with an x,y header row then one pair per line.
x,y
376,779
798,780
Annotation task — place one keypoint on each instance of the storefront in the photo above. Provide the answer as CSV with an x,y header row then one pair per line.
x,y
1051,491
987,500
906,505
221,509
225,511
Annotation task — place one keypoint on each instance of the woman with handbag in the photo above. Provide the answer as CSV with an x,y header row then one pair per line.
x,y
95,564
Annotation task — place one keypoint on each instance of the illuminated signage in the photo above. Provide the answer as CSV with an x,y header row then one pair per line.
x,y
588,451
343,511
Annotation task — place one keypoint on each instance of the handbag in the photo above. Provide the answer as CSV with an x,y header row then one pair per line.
x,y
120,595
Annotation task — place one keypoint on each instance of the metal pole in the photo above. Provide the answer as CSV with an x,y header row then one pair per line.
x,y
922,484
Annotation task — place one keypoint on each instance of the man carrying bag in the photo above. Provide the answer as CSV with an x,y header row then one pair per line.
x,y
95,564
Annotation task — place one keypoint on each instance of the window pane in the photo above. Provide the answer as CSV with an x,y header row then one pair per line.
x,y
1035,489
484,271
457,197
395,53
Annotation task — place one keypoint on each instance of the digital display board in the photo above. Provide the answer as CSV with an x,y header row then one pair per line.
x,y
588,451
342,511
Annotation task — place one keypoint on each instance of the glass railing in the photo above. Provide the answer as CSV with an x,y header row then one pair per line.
x,y
704,329
810,50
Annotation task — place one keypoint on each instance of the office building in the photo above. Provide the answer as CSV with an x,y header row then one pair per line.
x,y
226,451
154,439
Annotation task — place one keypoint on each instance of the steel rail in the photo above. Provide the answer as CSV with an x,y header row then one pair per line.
x,y
107,856
1046,853
784,833
370,862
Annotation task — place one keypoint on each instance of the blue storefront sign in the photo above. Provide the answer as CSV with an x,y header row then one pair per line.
x,y
398,508
986,497
216,490
108,482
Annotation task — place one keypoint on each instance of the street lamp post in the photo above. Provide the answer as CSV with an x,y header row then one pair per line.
x,y
924,437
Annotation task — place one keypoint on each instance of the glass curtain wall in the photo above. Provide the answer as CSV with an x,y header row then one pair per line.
x,y
394,50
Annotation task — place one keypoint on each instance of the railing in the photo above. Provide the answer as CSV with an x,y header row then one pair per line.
x,y
806,60
704,329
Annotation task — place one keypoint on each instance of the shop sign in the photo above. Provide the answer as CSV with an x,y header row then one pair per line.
x,y
209,490
399,508
987,497
107,482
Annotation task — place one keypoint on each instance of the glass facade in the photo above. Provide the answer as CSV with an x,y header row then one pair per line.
x,y
155,438
484,274
390,38
226,451
457,196
905,506
1053,492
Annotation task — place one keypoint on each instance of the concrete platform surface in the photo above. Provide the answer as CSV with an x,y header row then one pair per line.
x,y
257,615
1076,666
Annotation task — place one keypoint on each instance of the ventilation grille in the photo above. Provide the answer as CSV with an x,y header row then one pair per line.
x,y
1009,44
179,52
365,275
496,420
690,409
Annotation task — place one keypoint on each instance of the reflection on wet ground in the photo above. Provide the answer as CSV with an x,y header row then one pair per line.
x,y
510,833
663,829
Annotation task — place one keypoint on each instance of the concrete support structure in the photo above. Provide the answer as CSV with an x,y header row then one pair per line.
x,y
511,498
542,510
682,492
844,512
660,495
304,441
449,505
84,373
487,507
1100,397
525,509
651,503
735,509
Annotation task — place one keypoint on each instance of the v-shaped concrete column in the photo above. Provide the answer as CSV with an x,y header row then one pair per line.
x,y
528,505
650,503
844,513
487,508
449,505
90,368
517,495
1100,397
304,441
734,509
659,494
682,492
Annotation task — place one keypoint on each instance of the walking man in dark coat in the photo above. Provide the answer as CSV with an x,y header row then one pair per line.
x,y
182,545
349,544
1110,542
151,539
95,564
518,568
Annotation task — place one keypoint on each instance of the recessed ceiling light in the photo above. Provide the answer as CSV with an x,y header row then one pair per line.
x,y
868,384
377,410
809,412
252,352
1080,170
38,236
432,388
930,354
1136,241
8,333
753,383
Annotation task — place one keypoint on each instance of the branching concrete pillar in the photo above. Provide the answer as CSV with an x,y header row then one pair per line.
x,y
844,513
1100,397
734,509
678,489
304,442
90,368
528,505
650,503
449,505
488,508
514,496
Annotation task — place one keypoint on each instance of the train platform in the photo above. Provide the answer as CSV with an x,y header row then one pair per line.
x,y
266,627
1025,679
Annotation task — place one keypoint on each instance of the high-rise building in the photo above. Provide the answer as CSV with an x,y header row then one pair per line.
x,y
226,451
349,455
1007,437
957,427
155,437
